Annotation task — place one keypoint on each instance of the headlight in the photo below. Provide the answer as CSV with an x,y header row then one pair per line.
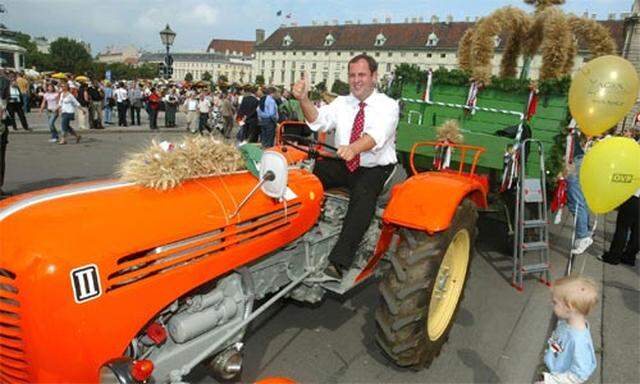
x,y
124,370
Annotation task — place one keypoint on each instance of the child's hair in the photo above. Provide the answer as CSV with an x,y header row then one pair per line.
x,y
577,292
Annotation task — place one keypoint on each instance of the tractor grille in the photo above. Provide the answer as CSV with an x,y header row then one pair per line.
x,y
13,363
148,263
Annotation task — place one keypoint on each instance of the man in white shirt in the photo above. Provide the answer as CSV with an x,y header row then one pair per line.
x,y
365,123
122,103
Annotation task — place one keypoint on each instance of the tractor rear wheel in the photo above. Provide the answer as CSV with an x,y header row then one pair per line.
x,y
421,294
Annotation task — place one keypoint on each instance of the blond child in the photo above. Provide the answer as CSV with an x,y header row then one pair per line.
x,y
571,357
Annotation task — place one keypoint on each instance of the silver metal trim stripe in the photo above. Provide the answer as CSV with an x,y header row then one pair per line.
x,y
105,186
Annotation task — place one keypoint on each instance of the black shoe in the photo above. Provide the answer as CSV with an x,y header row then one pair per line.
x,y
333,271
609,259
628,260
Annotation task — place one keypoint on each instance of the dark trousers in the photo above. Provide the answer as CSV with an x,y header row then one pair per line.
x,y
4,139
203,122
170,115
625,243
135,115
267,133
12,109
365,184
153,118
122,114
251,131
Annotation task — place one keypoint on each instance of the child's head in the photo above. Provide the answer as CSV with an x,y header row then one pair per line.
x,y
574,294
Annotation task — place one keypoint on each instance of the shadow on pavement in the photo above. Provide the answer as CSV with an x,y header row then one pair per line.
x,y
630,295
482,373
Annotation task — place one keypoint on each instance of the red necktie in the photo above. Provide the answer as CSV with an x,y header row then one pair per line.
x,y
356,132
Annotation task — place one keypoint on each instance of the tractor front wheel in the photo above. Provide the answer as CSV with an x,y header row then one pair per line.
x,y
421,294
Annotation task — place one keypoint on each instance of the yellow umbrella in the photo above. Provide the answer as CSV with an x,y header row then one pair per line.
x,y
82,78
59,75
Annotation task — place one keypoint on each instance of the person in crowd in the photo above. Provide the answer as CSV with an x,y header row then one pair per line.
x,y
267,118
67,107
135,98
5,84
368,150
289,109
171,102
109,102
82,112
122,103
49,104
153,100
204,108
227,111
14,106
248,116
95,98
626,238
570,356
191,108
576,202
25,94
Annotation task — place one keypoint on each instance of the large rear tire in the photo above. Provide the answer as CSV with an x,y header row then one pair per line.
x,y
421,294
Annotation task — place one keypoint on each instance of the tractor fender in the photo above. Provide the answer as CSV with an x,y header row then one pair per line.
x,y
429,200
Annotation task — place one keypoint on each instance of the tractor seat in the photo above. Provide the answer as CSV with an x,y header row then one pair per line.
x,y
397,176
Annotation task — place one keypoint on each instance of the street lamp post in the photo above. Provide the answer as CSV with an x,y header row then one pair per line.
x,y
167,36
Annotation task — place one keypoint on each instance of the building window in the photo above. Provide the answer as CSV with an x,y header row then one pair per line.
x,y
283,63
390,54
428,55
403,54
380,40
432,41
262,64
351,53
304,53
315,53
443,55
338,53
294,53
293,65
415,54
326,53
313,66
273,63
313,77
388,67
329,40
325,76
287,40
377,54
336,76
282,76
293,77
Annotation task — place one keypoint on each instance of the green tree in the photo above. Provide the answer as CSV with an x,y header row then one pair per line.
x,y
340,87
321,86
221,79
147,71
188,77
260,80
206,76
69,56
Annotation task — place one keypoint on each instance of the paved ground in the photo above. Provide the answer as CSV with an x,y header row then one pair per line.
x,y
499,333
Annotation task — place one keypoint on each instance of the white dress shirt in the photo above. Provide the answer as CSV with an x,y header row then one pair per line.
x,y
381,115
121,95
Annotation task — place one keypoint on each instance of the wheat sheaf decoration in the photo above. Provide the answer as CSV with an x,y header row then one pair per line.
x,y
163,165
449,131
548,30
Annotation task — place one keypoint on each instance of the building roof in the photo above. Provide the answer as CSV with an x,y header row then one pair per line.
x,y
221,46
399,36
194,57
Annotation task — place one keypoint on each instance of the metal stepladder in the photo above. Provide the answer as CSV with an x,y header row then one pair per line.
x,y
531,225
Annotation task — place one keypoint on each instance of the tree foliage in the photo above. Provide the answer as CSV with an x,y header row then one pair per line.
x,y
340,87
206,76
69,55
188,77
260,80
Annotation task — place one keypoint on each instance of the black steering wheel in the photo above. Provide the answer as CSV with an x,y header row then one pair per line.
x,y
310,146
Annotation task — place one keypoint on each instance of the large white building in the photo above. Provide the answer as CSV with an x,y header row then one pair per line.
x,y
127,54
324,50
235,68
11,54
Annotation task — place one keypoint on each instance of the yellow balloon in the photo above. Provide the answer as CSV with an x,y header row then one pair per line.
x,y
602,92
610,173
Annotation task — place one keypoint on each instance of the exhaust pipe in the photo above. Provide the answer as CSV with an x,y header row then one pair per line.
x,y
228,363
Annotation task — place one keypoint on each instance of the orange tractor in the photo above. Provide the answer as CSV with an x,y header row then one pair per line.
x,y
113,282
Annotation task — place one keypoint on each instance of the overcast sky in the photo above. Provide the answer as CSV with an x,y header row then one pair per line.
x,y
196,22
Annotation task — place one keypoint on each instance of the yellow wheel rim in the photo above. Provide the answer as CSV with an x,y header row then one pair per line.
x,y
448,285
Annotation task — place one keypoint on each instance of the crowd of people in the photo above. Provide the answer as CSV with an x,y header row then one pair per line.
x,y
92,104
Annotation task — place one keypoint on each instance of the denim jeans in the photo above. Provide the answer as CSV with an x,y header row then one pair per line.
x,y
107,113
52,116
267,133
575,198
65,119
25,103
